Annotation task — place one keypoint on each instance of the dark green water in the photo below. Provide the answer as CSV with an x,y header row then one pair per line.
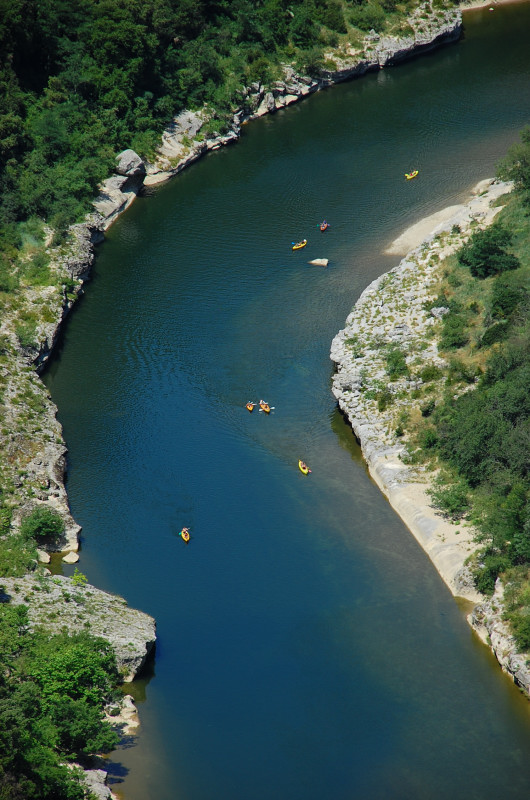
x,y
307,648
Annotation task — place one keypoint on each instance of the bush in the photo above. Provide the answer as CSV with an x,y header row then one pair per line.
x,y
43,524
495,333
430,373
368,17
427,408
396,364
428,439
384,399
454,332
452,499
485,253
486,574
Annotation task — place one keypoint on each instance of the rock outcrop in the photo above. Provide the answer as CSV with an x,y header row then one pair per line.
x,y
57,602
392,310
487,620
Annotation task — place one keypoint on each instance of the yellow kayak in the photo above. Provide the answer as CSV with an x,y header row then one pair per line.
x,y
299,245
185,534
410,175
302,466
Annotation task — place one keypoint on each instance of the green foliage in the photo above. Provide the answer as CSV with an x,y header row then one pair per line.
x,y
80,667
492,565
454,332
78,579
430,372
516,165
396,364
505,297
368,17
45,719
26,333
495,333
451,497
427,408
384,399
17,556
42,524
485,252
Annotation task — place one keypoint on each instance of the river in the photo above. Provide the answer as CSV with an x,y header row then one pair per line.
x,y
307,647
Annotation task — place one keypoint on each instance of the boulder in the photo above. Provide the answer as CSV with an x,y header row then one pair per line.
x,y
319,262
130,164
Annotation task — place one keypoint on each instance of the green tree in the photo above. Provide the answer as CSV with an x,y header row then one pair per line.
x,y
43,523
485,252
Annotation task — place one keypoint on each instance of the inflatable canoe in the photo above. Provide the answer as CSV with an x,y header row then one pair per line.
x,y
264,407
299,245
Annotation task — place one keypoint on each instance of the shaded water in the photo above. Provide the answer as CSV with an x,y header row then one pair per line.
x,y
307,648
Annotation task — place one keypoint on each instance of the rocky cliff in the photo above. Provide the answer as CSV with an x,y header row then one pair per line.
x,y
396,310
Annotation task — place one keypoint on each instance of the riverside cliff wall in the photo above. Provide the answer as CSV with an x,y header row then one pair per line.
x,y
392,311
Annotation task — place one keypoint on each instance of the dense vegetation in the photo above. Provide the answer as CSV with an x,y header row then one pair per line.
x,y
481,438
51,693
83,79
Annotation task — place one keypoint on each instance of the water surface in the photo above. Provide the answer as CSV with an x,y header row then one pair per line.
x,y
307,647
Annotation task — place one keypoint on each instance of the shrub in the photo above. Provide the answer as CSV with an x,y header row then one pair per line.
x,y
485,252
428,439
384,399
486,574
452,499
44,523
495,333
454,332
427,408
396,365
430,373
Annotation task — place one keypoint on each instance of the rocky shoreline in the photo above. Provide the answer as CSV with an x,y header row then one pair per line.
x,y
392,311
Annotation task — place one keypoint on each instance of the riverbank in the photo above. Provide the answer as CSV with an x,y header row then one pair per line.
x,y
395,311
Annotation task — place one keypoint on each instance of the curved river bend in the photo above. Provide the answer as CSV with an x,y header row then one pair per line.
x,y
307,648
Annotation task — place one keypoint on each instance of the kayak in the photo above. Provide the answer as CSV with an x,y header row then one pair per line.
x,y
303,467
324,226
264,407
185,534
250,406
299,245
410,175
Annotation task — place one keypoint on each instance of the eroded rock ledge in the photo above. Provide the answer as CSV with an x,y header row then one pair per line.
x,y
57,602
392,311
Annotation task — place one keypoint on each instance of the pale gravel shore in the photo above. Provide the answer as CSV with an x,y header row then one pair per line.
x,y
391,307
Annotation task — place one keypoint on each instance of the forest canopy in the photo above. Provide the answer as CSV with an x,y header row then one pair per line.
x,y
83,79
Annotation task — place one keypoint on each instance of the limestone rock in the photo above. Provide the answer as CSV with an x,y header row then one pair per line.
x,y
130,164
319,262
71,558
96,782
131,633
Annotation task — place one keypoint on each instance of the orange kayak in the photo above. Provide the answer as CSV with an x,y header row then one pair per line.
x,y
265,407
250,406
